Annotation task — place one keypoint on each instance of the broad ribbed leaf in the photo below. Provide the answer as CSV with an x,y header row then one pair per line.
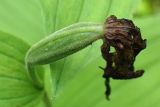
x,y
22,18
16,89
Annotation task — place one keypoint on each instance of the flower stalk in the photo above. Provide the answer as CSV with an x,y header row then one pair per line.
x,y
60,44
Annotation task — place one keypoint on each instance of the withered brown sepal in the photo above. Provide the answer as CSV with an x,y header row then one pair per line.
x,y
125,38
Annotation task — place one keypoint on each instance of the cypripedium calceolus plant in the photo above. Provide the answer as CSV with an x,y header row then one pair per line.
x,y
120,34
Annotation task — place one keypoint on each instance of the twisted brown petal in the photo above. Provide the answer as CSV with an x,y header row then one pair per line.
x,y
125,37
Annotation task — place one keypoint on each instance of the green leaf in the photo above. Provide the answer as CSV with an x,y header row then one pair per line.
x,y
16,89
22,18
149,25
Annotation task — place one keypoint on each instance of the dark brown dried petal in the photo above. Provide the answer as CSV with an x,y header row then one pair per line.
x,y
126,38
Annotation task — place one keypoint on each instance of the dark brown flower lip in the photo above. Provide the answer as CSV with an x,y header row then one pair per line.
x,y
126,38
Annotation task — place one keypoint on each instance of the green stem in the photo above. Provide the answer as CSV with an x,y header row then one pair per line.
x,y
47,101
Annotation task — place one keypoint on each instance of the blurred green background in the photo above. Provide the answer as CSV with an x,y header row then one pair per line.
x,y
75,81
